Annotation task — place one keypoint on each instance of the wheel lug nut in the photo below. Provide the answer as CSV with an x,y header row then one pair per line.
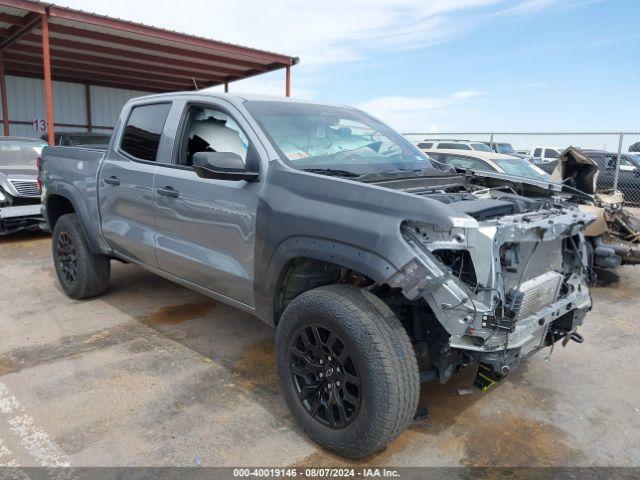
x,y
321,362
329,358
338,383
321,374
329,386
338,369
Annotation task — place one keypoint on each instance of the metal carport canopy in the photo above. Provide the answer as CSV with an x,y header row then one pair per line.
x,y
47,41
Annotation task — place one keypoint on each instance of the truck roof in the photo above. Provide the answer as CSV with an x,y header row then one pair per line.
x,y
233,97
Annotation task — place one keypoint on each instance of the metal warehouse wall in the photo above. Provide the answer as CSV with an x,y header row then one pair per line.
x,y
25,98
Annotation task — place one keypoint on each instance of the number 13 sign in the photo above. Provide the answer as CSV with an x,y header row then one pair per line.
x,y
39,125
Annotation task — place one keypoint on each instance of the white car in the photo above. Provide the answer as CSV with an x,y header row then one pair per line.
x,y
490,162
546,154
443,144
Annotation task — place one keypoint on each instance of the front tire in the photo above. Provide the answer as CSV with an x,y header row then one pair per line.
x,y
347,369
81,273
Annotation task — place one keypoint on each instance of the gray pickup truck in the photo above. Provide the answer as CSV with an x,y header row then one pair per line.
x,y
379,266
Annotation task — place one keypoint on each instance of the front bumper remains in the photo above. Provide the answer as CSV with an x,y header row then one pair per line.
x,y
496,322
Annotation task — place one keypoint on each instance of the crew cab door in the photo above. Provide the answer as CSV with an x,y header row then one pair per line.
x,y
126,182
206,227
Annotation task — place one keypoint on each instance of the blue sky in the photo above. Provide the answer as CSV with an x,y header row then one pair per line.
x,y
435,65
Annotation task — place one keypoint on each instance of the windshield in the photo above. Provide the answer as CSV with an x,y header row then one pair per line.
x,y
323,137
504,148
481,147
522,168
19,153
630,160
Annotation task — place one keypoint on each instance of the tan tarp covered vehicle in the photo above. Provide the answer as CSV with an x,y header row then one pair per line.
x,y
616,230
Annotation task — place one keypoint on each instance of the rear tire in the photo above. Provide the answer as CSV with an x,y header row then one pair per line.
x,y
353,383
81,273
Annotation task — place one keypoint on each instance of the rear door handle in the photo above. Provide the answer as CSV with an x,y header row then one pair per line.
x,y
112,180
168,191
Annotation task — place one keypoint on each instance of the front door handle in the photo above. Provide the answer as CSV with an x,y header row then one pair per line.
x,y
168,191
112,180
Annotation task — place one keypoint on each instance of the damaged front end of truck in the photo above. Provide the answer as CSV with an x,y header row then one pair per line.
x,y
509,278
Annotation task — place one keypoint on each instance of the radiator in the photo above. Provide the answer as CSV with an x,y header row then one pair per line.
x,y
535,294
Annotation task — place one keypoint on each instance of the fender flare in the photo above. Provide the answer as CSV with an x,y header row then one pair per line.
x,y
96,244
366,262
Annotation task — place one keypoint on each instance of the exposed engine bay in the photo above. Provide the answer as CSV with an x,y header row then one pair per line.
x,y
509,278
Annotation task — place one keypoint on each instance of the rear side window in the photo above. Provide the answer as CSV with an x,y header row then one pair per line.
x,y
141,135
454,146
425,145
537,152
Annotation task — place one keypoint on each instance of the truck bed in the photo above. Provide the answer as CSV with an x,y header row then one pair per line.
x,y
73,171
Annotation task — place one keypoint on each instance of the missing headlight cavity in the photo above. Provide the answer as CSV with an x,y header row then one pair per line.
x,y
510,256
459,263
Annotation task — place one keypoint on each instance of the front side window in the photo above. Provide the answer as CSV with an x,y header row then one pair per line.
x,y
481,147
453,146
537,152
310,136
505,148
551,153
425,145
211,130
141,134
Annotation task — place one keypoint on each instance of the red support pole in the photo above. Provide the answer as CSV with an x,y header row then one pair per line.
x,y
226,87
48,90
3,94
87,96
288,82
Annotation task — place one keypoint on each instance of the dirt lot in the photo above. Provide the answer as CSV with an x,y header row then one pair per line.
x,y
154,374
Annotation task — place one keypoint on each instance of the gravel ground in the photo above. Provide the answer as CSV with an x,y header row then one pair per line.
x,y
153,374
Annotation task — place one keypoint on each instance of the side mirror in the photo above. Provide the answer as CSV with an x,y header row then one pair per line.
x,y
222,166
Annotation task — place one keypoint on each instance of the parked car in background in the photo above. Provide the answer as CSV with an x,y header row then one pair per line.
x,y
453,145
274,206
545,154
489,161
628,176
80,139
19,189
635,148
507,149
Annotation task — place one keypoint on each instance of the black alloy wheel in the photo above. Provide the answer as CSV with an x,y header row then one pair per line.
x,y
81,272
325,376
66,254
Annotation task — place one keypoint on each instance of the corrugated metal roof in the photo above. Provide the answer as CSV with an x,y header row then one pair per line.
x,y
101,50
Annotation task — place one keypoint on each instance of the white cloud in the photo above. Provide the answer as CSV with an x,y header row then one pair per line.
x,y
321,33
422,113
466,94
525,8
329,32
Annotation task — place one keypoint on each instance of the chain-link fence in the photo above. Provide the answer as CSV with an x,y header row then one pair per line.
x,y
616,153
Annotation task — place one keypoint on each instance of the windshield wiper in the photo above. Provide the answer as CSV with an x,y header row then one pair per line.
x,y
332,171
397,173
